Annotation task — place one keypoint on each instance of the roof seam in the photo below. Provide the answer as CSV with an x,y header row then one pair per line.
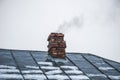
x,y
17,64
78,67
38,65
95,66
107,62
111,65
62,69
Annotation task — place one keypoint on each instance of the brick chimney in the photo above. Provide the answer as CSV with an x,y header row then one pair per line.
x,y
57,45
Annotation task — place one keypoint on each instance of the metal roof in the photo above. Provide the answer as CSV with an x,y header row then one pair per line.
x,y
37,65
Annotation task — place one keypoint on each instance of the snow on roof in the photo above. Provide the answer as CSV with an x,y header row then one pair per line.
x,y
21,65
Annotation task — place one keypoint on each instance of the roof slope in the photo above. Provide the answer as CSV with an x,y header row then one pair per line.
x,y
37,65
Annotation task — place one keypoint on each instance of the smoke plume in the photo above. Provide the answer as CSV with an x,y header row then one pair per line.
x,y
75,22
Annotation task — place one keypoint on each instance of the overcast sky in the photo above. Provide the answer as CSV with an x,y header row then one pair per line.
x,y
90,26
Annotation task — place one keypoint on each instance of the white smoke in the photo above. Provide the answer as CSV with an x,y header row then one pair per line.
x,y
75,22
100,13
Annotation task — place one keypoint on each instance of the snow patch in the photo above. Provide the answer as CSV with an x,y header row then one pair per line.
x,y
31,71
60,60
79,77
73,72
35,76
92,75
8,70
45,63
58,77
5,66
50,67
32,67
114,77
54,72
105,68
11,76
69,67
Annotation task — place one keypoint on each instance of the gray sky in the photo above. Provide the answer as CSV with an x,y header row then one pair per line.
x,y
90,26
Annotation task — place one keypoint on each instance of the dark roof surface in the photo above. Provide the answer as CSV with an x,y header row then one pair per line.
x,y
37,65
